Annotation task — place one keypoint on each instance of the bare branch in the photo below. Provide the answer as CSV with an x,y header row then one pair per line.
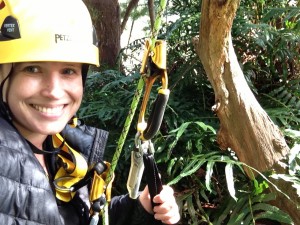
x,y
151,12
132,4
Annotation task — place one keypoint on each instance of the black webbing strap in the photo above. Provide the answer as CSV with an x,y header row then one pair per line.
x,y
153,178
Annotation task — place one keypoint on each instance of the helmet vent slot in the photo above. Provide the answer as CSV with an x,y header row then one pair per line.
x,y
10,29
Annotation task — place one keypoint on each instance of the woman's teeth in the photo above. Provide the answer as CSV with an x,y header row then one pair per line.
x,y
48,110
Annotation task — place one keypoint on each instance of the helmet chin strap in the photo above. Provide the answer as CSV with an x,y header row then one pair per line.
x,y
84,72
4,109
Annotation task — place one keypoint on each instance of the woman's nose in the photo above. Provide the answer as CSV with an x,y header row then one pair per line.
x,y
53,86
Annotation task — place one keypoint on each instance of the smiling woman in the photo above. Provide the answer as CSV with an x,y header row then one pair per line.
x,y
48,157
54,96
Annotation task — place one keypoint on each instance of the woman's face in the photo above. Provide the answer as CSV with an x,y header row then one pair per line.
x,y
43,96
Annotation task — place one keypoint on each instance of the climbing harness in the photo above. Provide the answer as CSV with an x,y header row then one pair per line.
x,y
74,173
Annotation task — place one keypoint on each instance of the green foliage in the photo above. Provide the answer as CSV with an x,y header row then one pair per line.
x,y
251,206
293,164
267,43
102,93
106,104
282,104
212,178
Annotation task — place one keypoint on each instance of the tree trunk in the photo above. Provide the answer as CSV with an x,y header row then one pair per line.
x,y
106,19
244,126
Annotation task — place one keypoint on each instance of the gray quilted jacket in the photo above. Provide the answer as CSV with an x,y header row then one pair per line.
x,y
26,193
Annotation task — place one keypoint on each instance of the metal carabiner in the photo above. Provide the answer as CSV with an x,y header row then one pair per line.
x,y
153,67
136,168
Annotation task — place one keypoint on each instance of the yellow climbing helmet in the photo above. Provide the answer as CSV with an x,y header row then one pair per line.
x,y
47,30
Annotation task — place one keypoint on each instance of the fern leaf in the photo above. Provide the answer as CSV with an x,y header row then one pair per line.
x,y
267,211
229,180
209,172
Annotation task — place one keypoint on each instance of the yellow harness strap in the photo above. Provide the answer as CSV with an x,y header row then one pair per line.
x,y
99,187
73,170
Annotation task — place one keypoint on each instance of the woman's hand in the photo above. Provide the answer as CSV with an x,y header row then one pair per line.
x,y
167,209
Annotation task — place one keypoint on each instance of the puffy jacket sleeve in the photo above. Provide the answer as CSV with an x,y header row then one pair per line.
x,y
126,211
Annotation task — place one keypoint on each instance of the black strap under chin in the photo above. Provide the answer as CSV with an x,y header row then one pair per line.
x,y
41,151
4,109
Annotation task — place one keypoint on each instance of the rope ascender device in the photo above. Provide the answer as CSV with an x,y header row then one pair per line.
x,y
142,158
153,67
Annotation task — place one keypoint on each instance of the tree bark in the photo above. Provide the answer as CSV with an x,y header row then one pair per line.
x,y
244,126
107,21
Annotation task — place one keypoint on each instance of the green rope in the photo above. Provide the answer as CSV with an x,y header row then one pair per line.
x,y
157,23
135,101
126,127
121,141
